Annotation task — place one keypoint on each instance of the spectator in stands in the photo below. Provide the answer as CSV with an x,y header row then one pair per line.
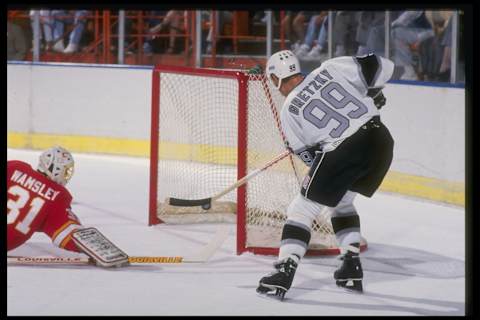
x,y
46,25
155,18
344,32
221,19
16,42
445,33
367,22
409,30
308,49
375,39
78,18
129,29
435,51
294,26
171,22
54,24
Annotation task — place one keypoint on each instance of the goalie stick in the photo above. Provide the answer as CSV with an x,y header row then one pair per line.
x,y
203,256
206,203
49,260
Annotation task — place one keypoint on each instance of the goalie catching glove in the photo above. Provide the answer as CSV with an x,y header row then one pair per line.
x,y
99,248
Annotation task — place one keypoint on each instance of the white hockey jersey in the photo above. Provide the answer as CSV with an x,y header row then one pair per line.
x,y
331,103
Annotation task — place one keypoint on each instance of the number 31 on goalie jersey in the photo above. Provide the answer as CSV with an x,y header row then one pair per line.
x,y
15,207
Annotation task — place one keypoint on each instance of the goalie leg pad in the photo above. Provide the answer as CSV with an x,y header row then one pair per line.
x,y
99,248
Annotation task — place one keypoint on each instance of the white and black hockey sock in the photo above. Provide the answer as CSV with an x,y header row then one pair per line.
x,y
295,240
347,232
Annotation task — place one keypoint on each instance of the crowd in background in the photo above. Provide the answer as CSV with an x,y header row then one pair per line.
x,y
420,41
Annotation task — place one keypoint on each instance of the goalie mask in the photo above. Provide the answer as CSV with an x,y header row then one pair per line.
x,y
57,164
282,64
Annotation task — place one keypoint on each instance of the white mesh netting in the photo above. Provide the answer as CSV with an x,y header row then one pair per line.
x,y
270,193
198,132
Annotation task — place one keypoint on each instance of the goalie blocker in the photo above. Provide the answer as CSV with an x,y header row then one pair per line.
x,y
99,248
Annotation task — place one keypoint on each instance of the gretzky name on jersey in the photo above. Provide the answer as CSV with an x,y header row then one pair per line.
x,y
34,185
305,94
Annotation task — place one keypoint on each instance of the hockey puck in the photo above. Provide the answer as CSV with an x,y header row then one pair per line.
x,y
206,206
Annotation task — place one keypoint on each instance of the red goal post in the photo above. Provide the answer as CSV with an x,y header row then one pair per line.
x,y
210,128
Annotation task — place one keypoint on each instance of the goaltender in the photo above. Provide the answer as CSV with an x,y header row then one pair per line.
x,y
37,201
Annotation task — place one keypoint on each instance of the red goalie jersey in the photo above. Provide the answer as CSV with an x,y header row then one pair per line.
x,y
35,203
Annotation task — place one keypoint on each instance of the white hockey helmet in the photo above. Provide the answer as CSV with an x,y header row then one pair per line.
x,y
57,164
282,64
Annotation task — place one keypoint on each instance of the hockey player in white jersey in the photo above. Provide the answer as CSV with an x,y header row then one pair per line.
x,y
332,122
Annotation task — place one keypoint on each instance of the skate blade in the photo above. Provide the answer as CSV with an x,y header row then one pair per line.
x,y
272,292
351,285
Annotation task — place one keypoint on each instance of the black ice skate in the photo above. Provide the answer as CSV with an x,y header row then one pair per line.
x,y
279,281
350,273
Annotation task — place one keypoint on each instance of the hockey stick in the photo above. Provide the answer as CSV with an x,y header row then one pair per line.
x,y
258,74
39,260
206,203
266,89
205,254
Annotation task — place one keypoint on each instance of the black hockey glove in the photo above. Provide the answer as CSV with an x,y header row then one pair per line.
x,y
378,98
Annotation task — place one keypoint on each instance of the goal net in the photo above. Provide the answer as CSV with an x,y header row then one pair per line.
x,y
209,129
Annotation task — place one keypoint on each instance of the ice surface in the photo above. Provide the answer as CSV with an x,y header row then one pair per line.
x,y
415,264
